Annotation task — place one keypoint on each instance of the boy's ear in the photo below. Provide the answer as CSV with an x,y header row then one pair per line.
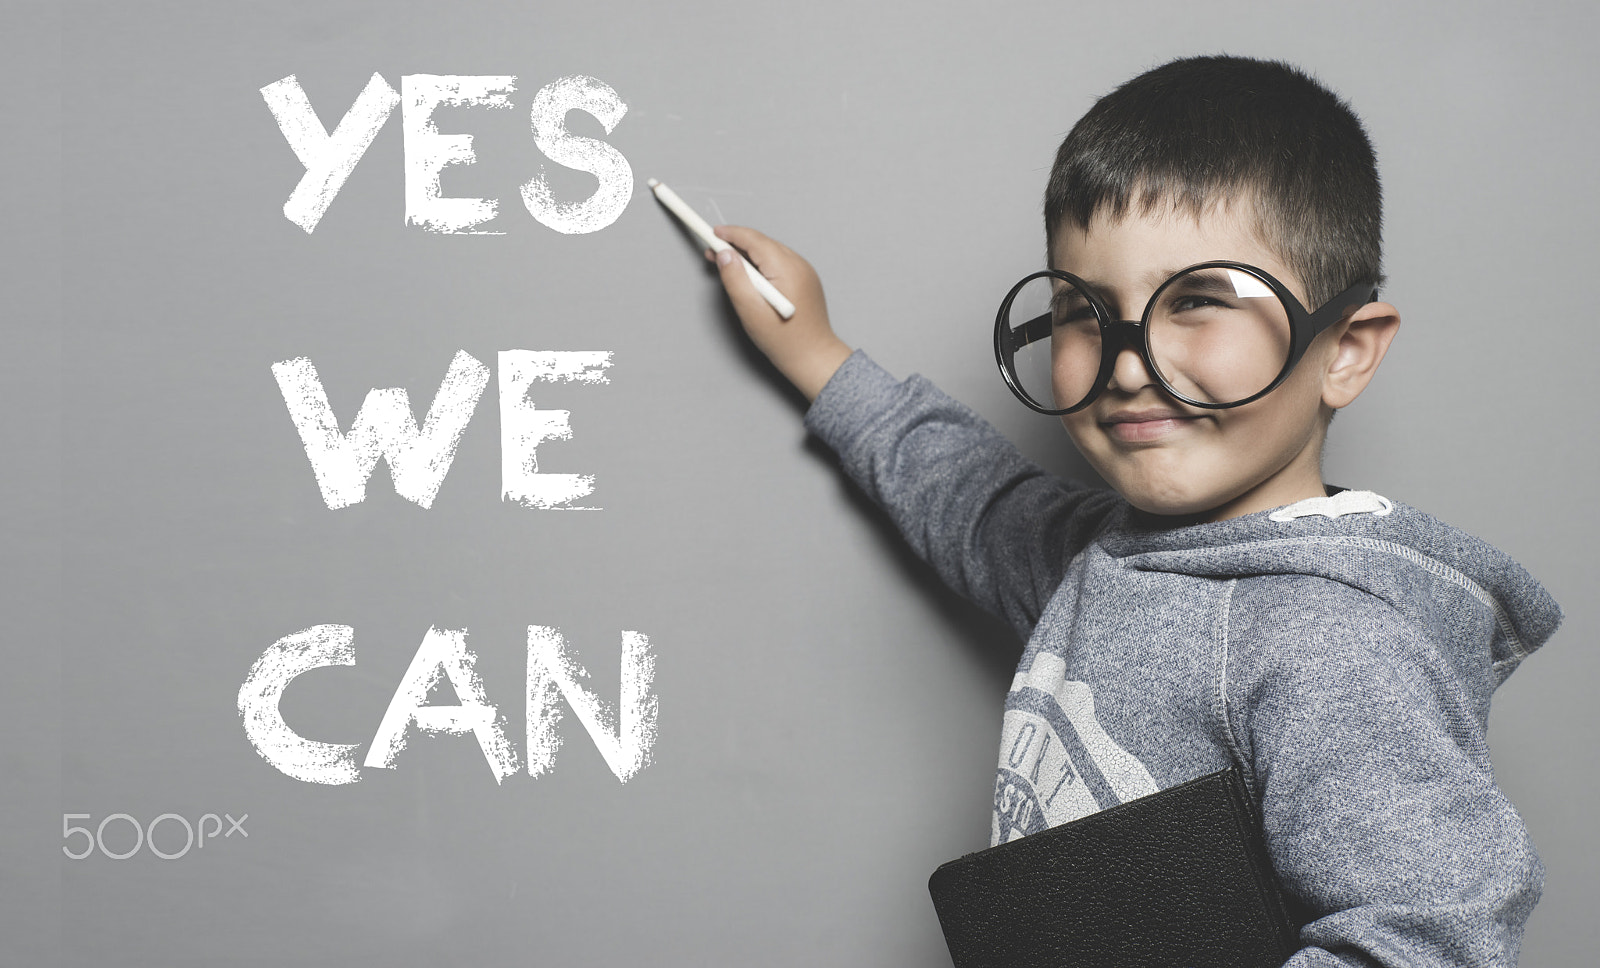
x,y
1362,340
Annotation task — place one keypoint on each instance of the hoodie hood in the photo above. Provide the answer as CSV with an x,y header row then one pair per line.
x,y
1477,604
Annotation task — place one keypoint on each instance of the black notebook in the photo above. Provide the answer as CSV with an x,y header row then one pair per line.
x,y
1177,879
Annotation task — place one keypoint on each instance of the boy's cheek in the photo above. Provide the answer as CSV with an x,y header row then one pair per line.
x,y
1092,450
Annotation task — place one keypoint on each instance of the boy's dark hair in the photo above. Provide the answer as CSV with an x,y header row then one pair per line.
x,y
1202,130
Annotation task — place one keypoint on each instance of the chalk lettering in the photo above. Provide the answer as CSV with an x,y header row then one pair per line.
x,y
384,427
624,734
283,660
427,152
328,159
443,654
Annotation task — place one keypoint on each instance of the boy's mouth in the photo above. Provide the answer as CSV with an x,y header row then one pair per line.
x,y
1134,426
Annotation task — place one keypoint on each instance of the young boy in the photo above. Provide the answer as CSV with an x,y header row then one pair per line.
x,y
1223,605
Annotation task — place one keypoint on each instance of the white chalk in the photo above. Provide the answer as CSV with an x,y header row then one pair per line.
x,y
702,230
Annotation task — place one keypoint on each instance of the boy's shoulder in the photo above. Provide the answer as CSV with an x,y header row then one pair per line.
x,y
1352,569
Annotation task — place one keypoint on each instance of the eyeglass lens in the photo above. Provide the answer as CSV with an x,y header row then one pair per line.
x,y
1216,335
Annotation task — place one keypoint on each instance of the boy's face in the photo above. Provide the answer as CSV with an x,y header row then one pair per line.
x,y
1166,457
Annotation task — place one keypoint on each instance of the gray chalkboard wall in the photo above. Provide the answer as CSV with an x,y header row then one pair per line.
x,y
820,723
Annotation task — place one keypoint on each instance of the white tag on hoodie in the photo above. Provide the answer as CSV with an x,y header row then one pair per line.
x,y
1345,502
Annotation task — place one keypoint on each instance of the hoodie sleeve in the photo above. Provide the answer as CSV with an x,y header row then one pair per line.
x,y
994,526
1372,768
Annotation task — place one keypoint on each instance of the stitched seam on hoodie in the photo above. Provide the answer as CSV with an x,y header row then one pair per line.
x,y
1439,569
1433,566
1224,623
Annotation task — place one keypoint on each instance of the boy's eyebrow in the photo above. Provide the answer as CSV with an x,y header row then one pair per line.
x,y
1156,277
1209,281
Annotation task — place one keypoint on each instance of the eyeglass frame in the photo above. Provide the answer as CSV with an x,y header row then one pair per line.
x,y
1117,335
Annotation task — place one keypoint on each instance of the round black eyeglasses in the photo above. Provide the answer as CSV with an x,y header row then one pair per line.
x,y
1215,335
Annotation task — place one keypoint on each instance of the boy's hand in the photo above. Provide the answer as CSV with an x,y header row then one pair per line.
x,y
803,347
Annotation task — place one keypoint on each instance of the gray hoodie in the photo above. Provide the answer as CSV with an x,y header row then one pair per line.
x,y
1342,650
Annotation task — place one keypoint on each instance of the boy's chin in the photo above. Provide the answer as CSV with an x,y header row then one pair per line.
x,y
1176,502
1184,486
1179,510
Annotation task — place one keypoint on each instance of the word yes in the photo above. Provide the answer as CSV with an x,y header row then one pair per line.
x,y
329,158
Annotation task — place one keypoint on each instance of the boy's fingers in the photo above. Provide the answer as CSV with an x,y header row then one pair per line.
x,y
747,302
761,250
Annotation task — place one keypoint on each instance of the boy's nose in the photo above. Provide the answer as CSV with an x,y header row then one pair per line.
x,y
1129,373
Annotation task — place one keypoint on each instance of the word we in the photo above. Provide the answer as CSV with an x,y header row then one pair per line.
x,y
419,458
329,158
625,738
145,836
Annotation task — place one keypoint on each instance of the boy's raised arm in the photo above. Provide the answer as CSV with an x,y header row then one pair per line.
x,y
804,347
994,526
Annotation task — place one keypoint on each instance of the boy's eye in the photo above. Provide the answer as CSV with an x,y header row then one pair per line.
x,y
1185,303
1206,289
1081,315
1070,308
